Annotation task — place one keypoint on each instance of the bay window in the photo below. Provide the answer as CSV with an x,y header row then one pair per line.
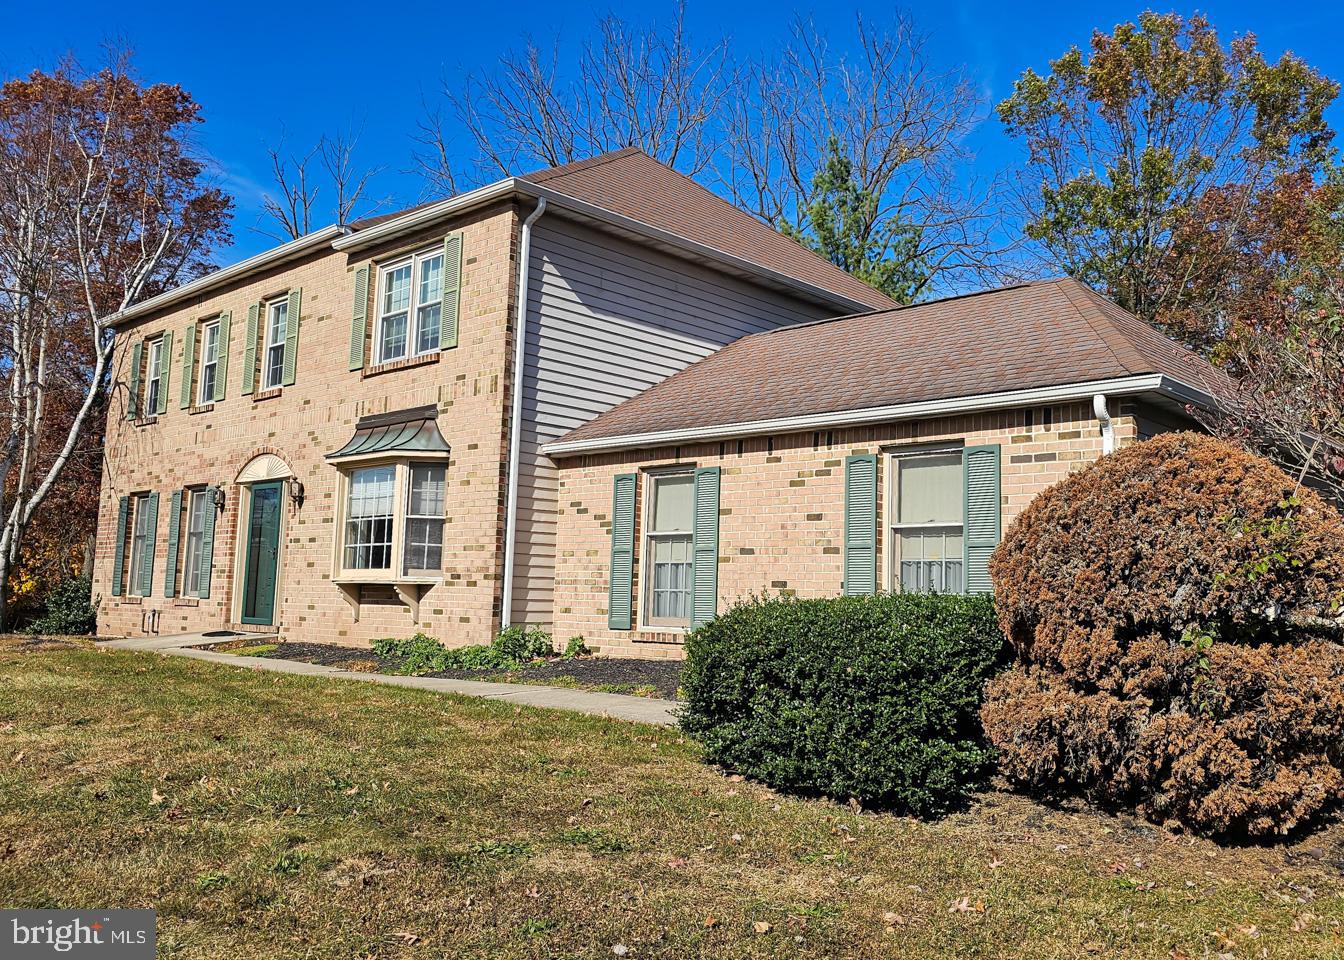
x,y
410,307
927,531
368,519
670,514
393,510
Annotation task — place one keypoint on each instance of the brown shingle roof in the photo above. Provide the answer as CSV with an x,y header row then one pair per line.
x,y
631,183
1047,333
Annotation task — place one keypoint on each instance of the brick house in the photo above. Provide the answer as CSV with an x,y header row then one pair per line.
x,y
882,451
339,438
596,398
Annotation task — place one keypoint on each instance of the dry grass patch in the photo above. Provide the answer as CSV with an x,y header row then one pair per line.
x,y
280,816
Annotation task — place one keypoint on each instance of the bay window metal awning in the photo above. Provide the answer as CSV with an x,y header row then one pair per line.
x,y
411,432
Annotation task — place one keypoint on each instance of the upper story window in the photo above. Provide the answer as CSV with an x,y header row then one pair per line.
x,y
928,526
155,362
205,392
410,307
670,517
273,353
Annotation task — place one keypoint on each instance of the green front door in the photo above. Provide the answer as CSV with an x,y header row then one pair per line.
x,y
263,549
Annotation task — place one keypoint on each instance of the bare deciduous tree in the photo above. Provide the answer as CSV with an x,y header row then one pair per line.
x,y
648,87
300,186
102,203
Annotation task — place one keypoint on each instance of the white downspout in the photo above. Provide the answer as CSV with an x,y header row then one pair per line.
x,y
516,412
1107,427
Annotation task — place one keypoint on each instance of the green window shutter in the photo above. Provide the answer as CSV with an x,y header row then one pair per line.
x,y
146,571
119,554
860,525
291,337
452,291
133,398
359,320
166,367
222,356
705,547
174,525
250,349
984,508
207,546
621,585
188,364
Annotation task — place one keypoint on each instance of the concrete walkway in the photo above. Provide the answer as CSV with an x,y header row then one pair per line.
x,y
613,705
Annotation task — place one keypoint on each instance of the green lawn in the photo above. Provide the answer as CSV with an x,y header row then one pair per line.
x,y
271,816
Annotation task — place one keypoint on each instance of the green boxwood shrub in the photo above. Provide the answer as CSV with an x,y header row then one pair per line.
x,y
70,610
870,698
513,648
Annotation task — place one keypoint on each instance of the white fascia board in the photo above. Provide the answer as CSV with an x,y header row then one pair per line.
x,y
267,258
425,215
1063,393
705,251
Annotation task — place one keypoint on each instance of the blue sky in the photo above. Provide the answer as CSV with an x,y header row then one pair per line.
x,y
266,70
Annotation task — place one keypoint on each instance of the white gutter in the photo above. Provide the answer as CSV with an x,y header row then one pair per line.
x,y
426,215
268,258
1107,427
516,413
1063,393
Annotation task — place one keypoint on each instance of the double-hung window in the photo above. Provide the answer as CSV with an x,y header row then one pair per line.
x,y
141,535
368,518
198,504
670,514
205,392
423,552
273,354
410,307
154,364
928,528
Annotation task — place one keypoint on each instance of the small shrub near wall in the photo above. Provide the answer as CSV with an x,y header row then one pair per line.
x,y
870,698
1170,609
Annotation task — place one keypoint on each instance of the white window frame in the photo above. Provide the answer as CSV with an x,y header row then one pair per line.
x,y
416,262
153,376
202,397
396,571
892,511
191,581
271,343
406,568
648,536
134,585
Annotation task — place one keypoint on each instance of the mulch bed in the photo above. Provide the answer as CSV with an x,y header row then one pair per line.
x,y
663,676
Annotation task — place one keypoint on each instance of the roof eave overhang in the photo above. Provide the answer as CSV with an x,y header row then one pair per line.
x,y
1156,384
245,268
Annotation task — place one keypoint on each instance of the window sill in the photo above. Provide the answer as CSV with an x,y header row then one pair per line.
x,y
186,602
202,408
146,421
423,360
408,589
270,394
665,635
134,601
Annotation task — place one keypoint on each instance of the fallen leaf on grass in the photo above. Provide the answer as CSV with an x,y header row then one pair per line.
x,y
964,905
676,863
710,923
154,796
995,863
893,920
760,926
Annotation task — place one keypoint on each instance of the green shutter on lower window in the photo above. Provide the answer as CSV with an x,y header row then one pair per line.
x,y
359,319
250,349
174,529
165,371
860,560
119,553
984,511
222,356
133,385
452,291
151,507
620,588
705,548
188,364
291,337
207,546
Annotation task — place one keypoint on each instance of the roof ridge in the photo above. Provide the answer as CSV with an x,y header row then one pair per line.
x,y
1093,316
573,166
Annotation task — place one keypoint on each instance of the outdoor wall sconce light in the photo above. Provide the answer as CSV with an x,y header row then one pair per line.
x,y
296,491
219,499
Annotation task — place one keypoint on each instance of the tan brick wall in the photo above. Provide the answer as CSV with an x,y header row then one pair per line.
x,y
781,525
314,416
